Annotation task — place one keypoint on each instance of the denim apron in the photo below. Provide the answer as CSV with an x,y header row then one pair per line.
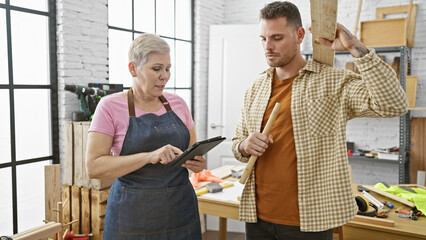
x,y
156,201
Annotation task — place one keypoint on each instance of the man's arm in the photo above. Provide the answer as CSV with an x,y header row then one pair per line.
x,y
377,93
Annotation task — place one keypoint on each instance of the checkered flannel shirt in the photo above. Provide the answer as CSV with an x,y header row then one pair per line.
x,y
323,100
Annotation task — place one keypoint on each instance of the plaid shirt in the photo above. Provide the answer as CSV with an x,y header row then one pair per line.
x,y
323,100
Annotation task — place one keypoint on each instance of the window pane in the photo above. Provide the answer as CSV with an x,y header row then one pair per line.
x,y
4,76
30,194
144,16
119,43
165,17
32,123
120,13
186,95
6,219
5,127
30,48
171,82
40,5
183,19
183,64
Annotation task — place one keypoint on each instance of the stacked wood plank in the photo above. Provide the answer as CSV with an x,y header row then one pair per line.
x,y
75,173
88,206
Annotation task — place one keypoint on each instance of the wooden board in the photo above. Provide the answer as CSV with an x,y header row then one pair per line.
x,y
75,208
52,190
418,147
85,210
68,165
391,196
383,32
66,196
98,207
372,220
323,15
382,12
78,154
411,90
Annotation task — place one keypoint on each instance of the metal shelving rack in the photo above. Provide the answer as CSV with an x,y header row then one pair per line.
x,y
404,162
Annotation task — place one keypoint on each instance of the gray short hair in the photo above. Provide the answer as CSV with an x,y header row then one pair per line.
x,y
144,45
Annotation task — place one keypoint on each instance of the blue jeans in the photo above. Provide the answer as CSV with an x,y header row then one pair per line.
x,y
271,231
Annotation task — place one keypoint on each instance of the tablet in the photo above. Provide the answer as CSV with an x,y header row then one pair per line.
x,y
197,149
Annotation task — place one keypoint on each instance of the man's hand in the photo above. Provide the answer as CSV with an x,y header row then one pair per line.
x,y
255,144
345,41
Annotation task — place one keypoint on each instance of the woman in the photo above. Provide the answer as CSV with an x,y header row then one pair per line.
x,y
133,137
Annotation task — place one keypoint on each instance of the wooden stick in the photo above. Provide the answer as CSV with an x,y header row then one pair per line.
x,y
391,196
357,17
265,132
407,20
40,232
378,221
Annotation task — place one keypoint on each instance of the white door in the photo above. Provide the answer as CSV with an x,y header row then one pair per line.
x,y
236,59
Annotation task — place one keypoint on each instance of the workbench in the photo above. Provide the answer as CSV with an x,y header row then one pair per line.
x,y
353,230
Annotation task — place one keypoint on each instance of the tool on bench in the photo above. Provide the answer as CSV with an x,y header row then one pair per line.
x,y
71,236
266,130
213,188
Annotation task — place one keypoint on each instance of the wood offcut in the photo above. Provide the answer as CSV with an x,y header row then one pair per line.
x,y
324,24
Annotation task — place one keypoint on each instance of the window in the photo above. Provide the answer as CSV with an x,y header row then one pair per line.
x,y
28,99
171,20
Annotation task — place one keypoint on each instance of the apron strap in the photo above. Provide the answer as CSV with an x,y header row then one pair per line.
x,y
131,105
166,103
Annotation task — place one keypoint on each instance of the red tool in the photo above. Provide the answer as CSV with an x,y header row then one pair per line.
x,y
71,236
204,175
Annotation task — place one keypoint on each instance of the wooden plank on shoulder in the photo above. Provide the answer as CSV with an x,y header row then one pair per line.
x,y
324,24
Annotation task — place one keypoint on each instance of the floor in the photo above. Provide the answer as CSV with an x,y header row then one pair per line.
x,y
214,235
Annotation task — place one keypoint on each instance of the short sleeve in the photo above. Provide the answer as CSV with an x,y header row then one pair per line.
x,y
103,119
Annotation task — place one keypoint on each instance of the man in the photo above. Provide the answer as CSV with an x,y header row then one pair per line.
x,y
300,186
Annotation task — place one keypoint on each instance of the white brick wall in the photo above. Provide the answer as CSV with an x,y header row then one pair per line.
x,y
82,35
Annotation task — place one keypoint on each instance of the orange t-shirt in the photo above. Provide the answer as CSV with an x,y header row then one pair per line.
x,y
276,169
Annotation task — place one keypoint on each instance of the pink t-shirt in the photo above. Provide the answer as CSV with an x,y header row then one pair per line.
x,y
112,116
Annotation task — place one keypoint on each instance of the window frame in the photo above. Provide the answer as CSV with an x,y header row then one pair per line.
x,y
133,31
11,87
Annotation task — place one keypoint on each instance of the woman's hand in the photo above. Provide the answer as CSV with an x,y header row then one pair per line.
x,y
196,165
164,154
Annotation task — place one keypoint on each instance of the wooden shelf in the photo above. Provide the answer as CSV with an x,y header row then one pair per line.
x,y
372,159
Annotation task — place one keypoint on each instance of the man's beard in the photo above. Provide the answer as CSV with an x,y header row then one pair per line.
x,y
284,60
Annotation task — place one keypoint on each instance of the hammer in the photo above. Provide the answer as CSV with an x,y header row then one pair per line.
x,y
265,132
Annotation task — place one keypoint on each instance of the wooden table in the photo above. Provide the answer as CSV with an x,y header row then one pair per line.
x,y
353,230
